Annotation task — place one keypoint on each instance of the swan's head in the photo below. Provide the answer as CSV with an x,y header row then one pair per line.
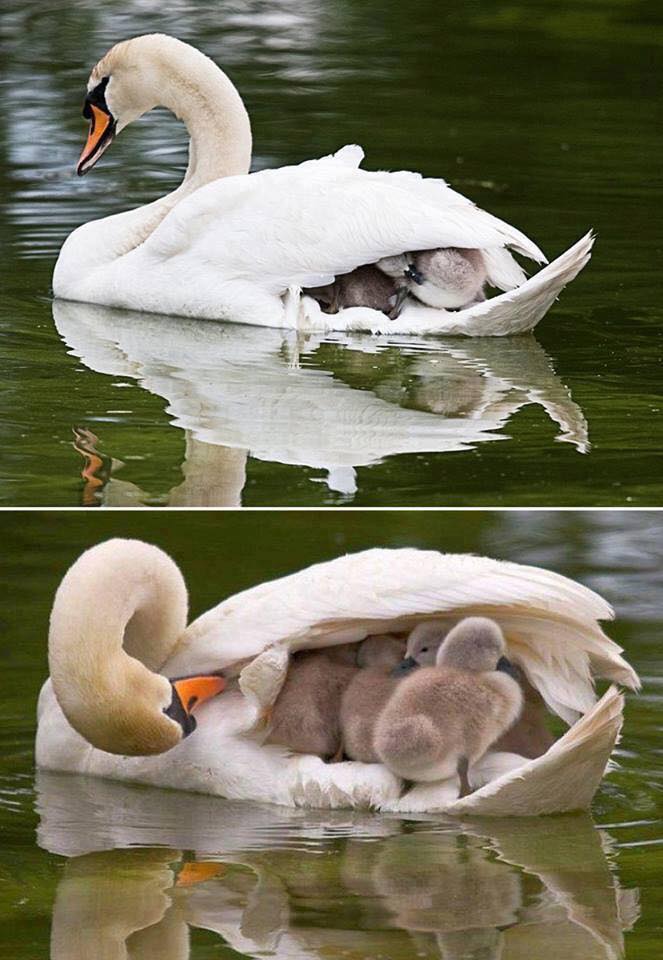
x,y
132,78
118,613
476,644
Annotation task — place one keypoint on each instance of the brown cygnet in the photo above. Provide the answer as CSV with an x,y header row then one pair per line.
x,y
366,286
367,693
305,716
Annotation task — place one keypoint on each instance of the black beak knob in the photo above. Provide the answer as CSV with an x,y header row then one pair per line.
x,y
404,667
505,666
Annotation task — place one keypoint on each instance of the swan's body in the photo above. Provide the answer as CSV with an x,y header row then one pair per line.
x,y
228,245
441,716
550,623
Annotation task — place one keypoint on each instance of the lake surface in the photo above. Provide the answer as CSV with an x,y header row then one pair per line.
x,y
546,115
97,869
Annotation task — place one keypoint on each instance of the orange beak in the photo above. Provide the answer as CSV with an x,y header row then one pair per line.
x,y
195,690
198,872
100,136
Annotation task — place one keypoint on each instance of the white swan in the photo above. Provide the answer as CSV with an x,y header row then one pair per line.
x,y
125,599
226,245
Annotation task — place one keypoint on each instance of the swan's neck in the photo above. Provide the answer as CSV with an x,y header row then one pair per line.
x,y
192,87
218,126
117,616
201,95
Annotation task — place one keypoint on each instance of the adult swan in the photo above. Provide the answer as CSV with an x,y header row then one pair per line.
x,y
118,633
231,246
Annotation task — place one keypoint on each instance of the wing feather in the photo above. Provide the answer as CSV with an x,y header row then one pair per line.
x,y
551,622
295,225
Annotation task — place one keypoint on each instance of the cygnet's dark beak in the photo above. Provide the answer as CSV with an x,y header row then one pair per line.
x,y
413,274
404,667
505,666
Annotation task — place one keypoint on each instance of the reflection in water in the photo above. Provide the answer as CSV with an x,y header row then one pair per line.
x,y
281,397
301,883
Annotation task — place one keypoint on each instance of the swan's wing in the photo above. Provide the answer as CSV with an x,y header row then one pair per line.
x,y
303,225
550,621
565,778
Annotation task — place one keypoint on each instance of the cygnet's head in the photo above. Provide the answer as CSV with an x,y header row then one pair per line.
x,y
425,640
382,651
422,645
476,644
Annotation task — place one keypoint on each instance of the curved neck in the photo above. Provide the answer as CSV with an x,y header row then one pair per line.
x,y
175,75
117,616
186,82
217,122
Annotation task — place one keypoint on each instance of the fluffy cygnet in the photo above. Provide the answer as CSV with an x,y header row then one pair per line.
x,y
365,286
446,278
367,693
442,718
305,716
529,736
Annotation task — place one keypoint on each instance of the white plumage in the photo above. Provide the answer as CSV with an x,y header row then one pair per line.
x,y
549,621
228,245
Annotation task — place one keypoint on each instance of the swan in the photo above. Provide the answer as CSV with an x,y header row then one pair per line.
x,y
229,245
305,716
120,596
529,736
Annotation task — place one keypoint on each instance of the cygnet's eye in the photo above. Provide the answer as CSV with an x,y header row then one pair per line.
x,y
424,649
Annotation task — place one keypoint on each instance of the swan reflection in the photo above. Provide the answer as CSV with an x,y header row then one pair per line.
x,y
332,403
302,883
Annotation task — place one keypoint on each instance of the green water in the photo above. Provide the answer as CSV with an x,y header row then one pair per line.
x,y
96,866
546,114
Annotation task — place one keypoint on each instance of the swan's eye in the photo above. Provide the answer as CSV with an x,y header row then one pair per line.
x,y
424,649
96,98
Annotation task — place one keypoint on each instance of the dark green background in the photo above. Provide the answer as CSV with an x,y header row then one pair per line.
x,y
547,114
618,553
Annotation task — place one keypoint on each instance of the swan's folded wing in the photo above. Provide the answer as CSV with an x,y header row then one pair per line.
x,y
550,621
303,225
563,779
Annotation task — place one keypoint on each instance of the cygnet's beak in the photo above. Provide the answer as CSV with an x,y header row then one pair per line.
x,y
505,666
190,692
413,274
404,667
102,128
